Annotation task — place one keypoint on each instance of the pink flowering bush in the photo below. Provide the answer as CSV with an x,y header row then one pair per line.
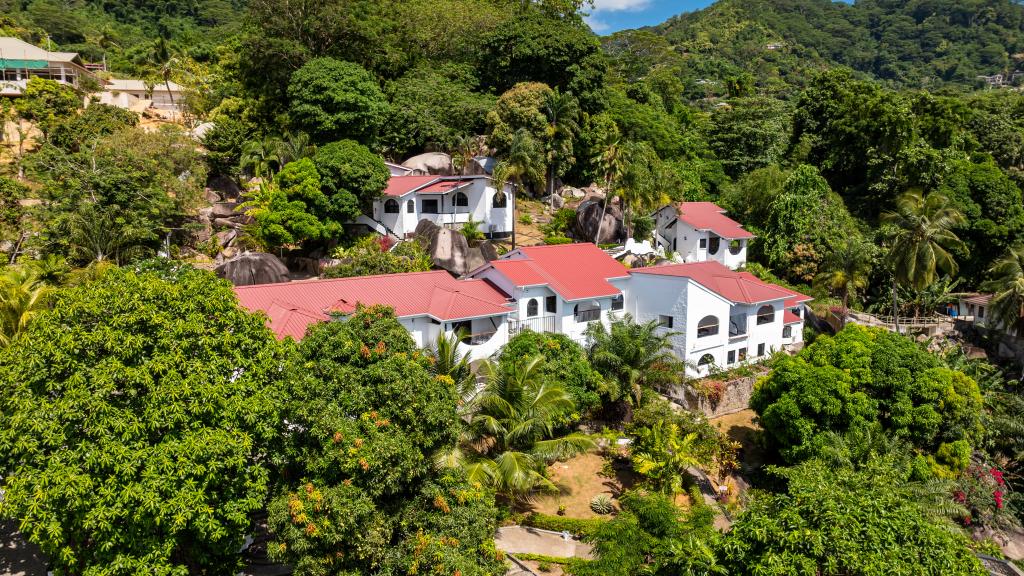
x,y
984,493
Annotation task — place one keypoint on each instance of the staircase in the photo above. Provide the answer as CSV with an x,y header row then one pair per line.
x,y
377,226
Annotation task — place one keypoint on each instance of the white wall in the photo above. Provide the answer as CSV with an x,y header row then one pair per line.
x,y
480,195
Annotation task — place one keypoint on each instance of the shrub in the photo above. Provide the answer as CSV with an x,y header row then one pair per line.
x,y
579,527
602,504
552,240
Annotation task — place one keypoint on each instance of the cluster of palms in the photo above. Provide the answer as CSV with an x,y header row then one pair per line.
x,y
263,158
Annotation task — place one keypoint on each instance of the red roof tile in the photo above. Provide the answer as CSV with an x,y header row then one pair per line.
x,y
402,185
709,216
444,186
741,287
292,306
790,318
574,271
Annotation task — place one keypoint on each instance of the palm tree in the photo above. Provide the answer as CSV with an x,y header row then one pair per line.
x,y
518,168
664,457
922,240
464,151
635,355
100,234
1006,284
846,271
512,434
22,296
447,361
561,112
612,165
294,147
262,156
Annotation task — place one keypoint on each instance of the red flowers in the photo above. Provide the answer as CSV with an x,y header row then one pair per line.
x,y
997,475
998,495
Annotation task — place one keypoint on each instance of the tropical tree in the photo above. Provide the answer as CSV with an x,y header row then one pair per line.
x,y
1007,287
449,362
23,295
637,355
663,455
612,166
923,238
262,157
513,433
847,270
519,167
295,147
562,113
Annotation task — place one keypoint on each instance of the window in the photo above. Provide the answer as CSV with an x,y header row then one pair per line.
x,y
798,312
703,242
587,312
550,304
735,247
981,312
460,199
732,357
706,360
665,321
787,332
410,206
531,308
714,244
430,206
743,354
760,349
500,200
619,302
391,206
708,326
765,314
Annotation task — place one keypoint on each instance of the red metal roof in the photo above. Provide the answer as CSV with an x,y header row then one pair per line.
x,y
292,306
402,185
740,287
709,216
790,318
574,271
444,186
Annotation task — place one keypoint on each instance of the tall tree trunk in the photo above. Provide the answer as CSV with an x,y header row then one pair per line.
x,y
895,310
604,209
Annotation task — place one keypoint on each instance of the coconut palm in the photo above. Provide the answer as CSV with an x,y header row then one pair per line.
x,y
261,156
96,234
846,270
447,361
923,238
512,435
612,166
518,168
663,456
561,112
1006,284
635,355
294,147
22,296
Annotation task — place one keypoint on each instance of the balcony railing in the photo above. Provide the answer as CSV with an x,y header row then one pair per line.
x,y
588,315
540,324
477,339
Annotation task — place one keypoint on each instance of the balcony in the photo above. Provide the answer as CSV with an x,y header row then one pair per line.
x,y
539,324
588,315
478,339
737,326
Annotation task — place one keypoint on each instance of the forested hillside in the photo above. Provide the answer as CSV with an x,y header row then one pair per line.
x,y
905,44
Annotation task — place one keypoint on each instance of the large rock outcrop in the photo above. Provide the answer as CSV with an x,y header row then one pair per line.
x,y
449,249
589,217
251,268
437,163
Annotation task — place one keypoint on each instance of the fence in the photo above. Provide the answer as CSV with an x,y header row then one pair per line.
x,y
541,324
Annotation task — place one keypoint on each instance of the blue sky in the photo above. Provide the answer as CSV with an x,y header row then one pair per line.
x,y
612,15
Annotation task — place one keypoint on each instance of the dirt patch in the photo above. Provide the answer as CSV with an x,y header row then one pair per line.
x,y
741,427
553,569
579,480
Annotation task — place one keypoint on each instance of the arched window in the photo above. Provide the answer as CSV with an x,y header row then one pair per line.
x,y
460,200
500,200
735,247
532,307
708,326
391,206
765,314
714,244
587,312
706,360
410,206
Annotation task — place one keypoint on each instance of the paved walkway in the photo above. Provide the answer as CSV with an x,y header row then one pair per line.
x,y
721,522
527,540
18,557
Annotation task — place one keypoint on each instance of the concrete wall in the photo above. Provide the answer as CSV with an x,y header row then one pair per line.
x,y
735,397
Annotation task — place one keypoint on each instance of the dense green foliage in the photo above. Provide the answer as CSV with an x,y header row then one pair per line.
x,y
135,417
565,363
867,377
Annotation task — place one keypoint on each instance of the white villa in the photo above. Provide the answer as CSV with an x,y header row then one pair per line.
x,y
448,201
20,61
129,94
717,317
699,232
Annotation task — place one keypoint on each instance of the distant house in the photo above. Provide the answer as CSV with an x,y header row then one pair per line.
x,y
715,317
126,93
977,309
700,231
20,61
448,201
398,169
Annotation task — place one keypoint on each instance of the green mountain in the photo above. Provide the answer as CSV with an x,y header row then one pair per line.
x,y
904,43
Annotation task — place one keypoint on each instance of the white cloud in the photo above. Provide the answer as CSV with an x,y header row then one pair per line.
x,y
620,5
596,24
